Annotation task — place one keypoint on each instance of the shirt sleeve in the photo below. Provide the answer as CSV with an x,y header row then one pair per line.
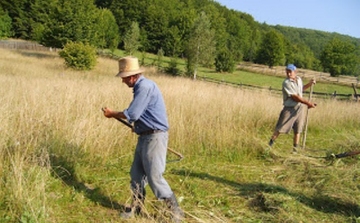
x,y
139,103
289,88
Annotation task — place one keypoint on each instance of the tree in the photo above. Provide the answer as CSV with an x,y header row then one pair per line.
x,y
156,24
126,11
271,51
338,57
201,45
160,56
107,31
240,35
72,20
250,55
173,45
5,25
103,3
40,18
299,54
131,39
18,10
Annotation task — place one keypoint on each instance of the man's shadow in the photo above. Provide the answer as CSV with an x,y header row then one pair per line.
x,y
63,168
319,202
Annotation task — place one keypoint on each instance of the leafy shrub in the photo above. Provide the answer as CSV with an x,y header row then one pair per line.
x,y
224,62
79,56
172,68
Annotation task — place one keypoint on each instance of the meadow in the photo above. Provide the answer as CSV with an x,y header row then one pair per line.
x,y
62,161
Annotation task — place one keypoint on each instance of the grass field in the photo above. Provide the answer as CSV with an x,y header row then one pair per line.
x,y
263,79
62,161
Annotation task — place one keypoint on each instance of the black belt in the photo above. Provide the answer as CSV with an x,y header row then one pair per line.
x,y
149,132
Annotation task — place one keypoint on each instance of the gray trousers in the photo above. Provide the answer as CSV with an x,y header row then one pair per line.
x,y
149,165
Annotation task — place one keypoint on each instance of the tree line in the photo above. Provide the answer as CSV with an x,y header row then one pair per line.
x,y
203,32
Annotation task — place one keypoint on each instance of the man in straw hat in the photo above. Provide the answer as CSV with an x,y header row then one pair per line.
x,y
148,113
291,116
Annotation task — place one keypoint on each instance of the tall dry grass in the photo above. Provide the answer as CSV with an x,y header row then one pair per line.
x,y
52,126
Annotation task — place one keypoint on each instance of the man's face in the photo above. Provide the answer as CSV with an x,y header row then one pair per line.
x,y
291,74
129,81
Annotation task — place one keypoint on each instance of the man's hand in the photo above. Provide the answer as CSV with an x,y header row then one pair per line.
x,y
310,84
311,105
117,115
297,98
108,113
312,81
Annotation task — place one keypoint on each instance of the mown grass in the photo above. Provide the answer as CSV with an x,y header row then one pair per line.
x,y
62,161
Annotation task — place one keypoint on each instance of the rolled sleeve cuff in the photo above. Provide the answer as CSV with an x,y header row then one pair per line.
x,y
126,113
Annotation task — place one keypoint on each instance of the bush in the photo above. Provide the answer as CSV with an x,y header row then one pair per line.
x,y
79,56
224,62
172,68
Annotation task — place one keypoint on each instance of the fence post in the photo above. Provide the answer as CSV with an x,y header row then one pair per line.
x,y
355,93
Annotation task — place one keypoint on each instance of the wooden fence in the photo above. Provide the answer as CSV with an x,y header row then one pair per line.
x,y
305,74
351,97
24,45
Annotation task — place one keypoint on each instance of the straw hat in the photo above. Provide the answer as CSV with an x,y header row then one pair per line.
x,y
129,66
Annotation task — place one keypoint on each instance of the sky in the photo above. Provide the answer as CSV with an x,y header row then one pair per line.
x,y
341,16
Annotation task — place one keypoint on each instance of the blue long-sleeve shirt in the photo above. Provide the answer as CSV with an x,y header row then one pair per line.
x,y
147,109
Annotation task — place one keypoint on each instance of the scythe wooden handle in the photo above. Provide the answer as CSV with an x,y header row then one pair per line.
x,y
307,118
130,126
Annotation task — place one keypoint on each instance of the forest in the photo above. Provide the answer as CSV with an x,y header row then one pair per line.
x,y
203,32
